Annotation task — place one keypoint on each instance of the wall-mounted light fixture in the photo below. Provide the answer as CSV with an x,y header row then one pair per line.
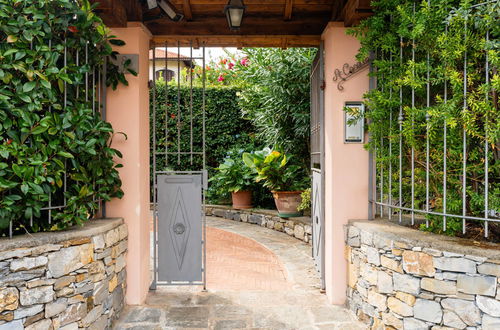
x,y
167,8
234,11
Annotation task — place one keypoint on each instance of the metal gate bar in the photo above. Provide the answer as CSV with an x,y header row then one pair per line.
x,y
317,164
158,169
394,153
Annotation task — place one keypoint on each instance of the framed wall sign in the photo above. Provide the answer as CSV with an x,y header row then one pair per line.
x,y
354,123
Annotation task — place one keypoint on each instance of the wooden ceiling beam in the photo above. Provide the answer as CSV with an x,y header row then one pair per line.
x,y
186,8
281,41
338,10
279,3
252,25
112,12
355,10
288,10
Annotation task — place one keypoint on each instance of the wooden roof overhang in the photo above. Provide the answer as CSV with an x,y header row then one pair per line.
x,y
266,23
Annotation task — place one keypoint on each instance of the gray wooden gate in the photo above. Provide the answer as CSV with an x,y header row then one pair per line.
x,y
317,163
179,176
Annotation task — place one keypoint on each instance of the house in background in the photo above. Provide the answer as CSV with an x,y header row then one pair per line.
x,y
175,64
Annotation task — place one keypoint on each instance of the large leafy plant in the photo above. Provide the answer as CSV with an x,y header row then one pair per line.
x,y
275,171
234,174
54,149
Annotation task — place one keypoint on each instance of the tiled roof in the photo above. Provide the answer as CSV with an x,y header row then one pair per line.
x,y
160,53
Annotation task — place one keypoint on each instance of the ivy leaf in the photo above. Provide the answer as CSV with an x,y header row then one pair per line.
x,y
28,87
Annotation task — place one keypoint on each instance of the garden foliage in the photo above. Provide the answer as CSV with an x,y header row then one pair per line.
x,y
225,126
45,142
444,36
276,98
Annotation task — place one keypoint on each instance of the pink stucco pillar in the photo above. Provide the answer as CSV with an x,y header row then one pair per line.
x,y
346,165
128,112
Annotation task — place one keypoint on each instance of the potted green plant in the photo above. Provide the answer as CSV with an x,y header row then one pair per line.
x,y
237,178
285,180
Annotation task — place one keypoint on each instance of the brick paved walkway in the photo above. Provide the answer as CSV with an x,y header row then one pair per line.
x,y
256,278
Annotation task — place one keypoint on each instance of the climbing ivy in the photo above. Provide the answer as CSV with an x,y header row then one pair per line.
x,y
444,35
54,148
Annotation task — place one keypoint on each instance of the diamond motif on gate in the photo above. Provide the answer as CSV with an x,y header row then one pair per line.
x,y
316,211
179,228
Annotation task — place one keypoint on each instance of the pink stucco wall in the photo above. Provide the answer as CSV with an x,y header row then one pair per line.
x,y
346,165
128,112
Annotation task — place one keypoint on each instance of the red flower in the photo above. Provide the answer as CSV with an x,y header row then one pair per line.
x,y
221,78
172,115
73,29
223,61
9,141
244,61
230,65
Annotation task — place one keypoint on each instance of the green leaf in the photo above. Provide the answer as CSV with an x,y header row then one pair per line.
x,y
24,188
39,130
25,98
117,42
4,223
28,87
11,38
45,84
17,170
10,51
65,154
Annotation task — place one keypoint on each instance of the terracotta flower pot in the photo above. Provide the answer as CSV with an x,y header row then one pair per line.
x,y
287,203
242,199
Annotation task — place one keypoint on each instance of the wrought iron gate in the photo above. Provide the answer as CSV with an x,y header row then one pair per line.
x,y
317,163
178,171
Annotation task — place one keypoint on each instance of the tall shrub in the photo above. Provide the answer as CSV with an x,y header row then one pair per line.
x,y
276,97
49,135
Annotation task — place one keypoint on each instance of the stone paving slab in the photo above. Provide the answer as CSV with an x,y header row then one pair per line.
x,y
297,305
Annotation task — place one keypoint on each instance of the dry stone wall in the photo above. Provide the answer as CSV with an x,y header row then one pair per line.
x,y
299,227
406,279
64,280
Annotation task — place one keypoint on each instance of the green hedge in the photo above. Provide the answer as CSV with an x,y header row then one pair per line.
x,y
42,139
225,128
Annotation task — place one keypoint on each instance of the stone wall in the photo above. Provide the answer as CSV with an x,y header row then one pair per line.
x,y
299,227
407,279
71,279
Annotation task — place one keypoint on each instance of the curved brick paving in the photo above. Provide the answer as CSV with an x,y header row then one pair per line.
x,y
257,278
230,266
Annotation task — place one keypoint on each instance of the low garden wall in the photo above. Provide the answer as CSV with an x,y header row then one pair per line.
x,y
299,227
71,279
403,278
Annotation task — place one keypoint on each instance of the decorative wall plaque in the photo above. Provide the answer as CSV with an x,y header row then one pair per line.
x,y
347,71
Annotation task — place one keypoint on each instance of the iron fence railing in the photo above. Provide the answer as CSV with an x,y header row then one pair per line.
x,y
94,88
396,192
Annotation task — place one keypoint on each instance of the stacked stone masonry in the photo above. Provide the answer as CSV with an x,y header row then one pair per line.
x,y
67,280
400,278
299,227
